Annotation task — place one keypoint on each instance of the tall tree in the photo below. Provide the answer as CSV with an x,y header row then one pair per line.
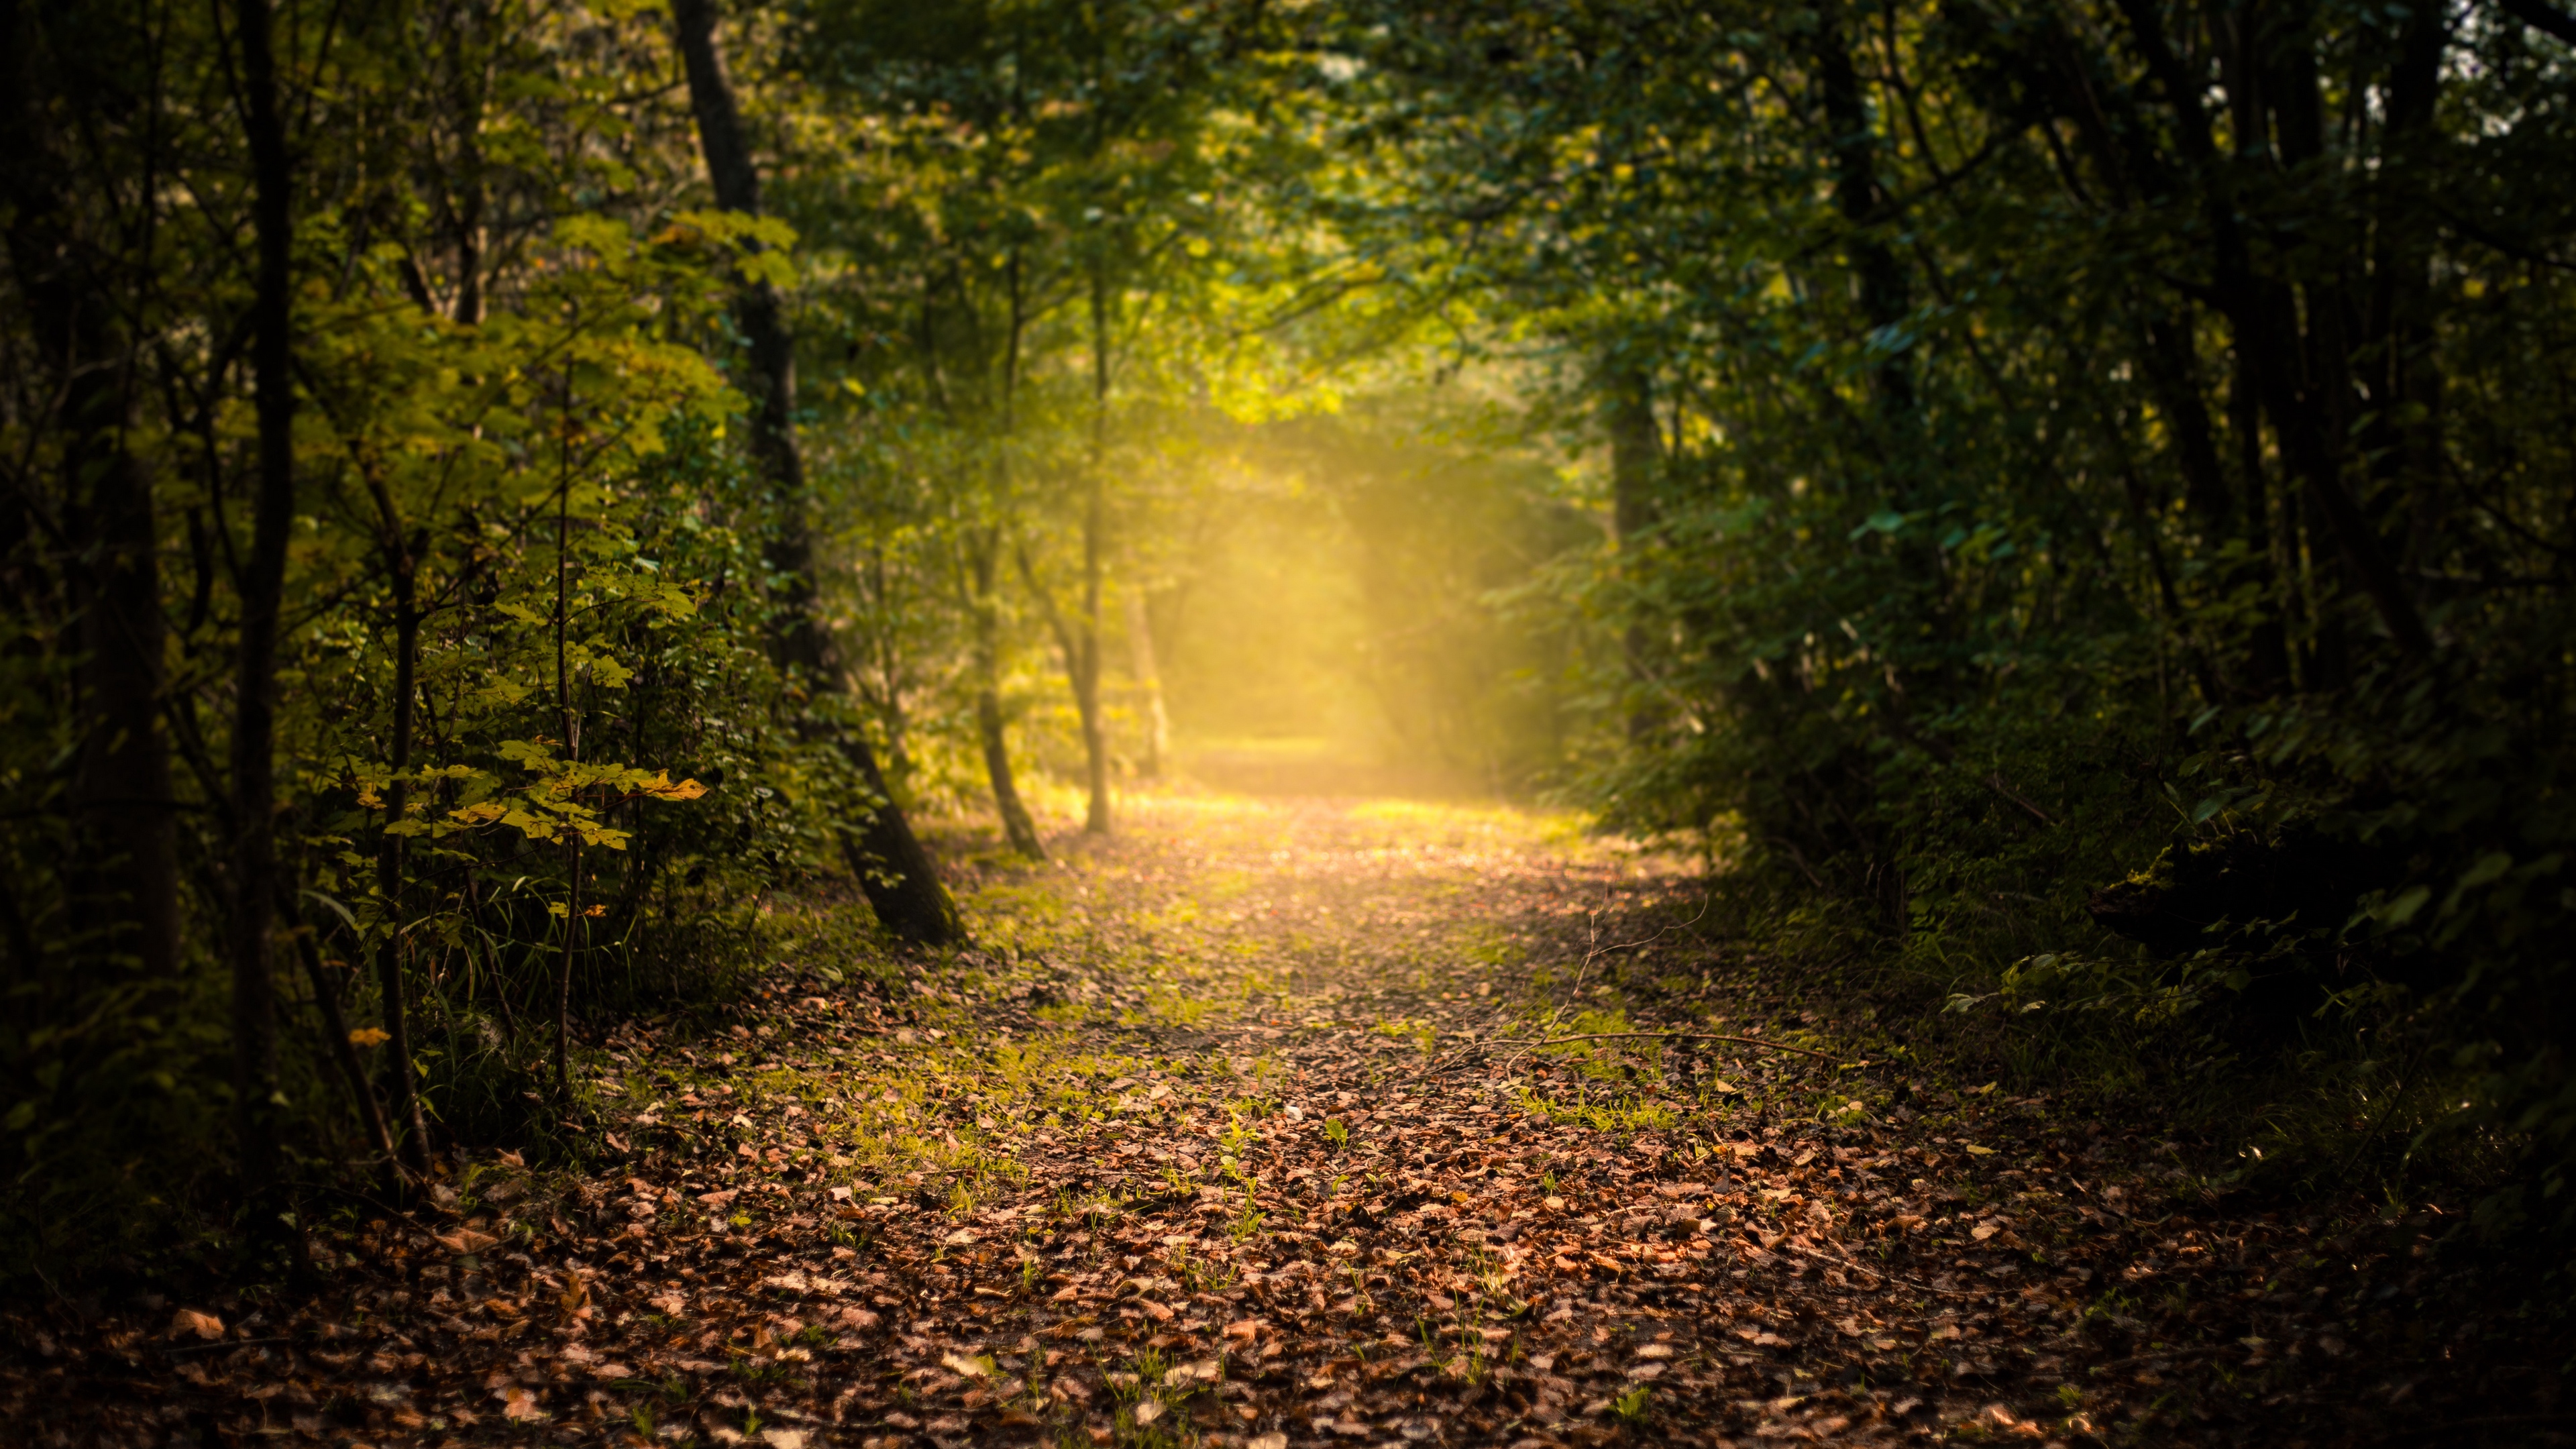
x,y
898,875
263,584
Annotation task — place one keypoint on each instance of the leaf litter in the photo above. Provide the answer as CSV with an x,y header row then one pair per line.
x,y
1272,1124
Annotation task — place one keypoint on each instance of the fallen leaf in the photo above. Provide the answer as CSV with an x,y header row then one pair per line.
x,y
189,1321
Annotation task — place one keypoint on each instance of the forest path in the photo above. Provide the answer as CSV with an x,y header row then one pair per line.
x,y
1218,1136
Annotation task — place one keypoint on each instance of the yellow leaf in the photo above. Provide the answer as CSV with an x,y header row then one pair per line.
x,y
367,1036
661,788
1976,1151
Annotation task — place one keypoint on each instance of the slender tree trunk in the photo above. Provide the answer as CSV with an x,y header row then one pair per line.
x,y
2262,315
1885,298
2267,647
2404,435
465,80
1016,823
571,724
575,931
894,870
1156,725
1085,661
1023,830
391,858
985,545
263,583
335,1024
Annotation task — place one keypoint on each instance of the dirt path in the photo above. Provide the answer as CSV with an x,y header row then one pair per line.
x,y
1220,1137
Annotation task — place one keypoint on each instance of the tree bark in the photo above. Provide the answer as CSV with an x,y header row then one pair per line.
x,y
1083,656
2263,316
335,1024
893,869
392,855
263,582
1885,298
465,87
983,565
1155,726
2403,437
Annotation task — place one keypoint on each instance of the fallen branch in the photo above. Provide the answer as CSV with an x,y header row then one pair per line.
x,y
1674,1035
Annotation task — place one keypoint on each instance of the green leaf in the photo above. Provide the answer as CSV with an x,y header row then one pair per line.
x,y
1883,521
2401,910
2490,866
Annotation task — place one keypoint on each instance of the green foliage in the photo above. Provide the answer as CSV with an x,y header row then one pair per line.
x,y
517,498
2043,439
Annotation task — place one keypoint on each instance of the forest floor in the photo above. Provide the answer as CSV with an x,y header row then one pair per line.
x,y
1226,1134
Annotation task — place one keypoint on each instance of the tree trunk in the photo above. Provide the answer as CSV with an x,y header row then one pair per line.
x,y
893,869
985,564
263,583
1016,823
123,796
1885,298
1154,724
2262,315
571,725
1083,658
391,858
465,81
335,1024
2267,647
2403,437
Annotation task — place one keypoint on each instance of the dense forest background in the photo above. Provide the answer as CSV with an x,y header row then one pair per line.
x,y
2068,504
